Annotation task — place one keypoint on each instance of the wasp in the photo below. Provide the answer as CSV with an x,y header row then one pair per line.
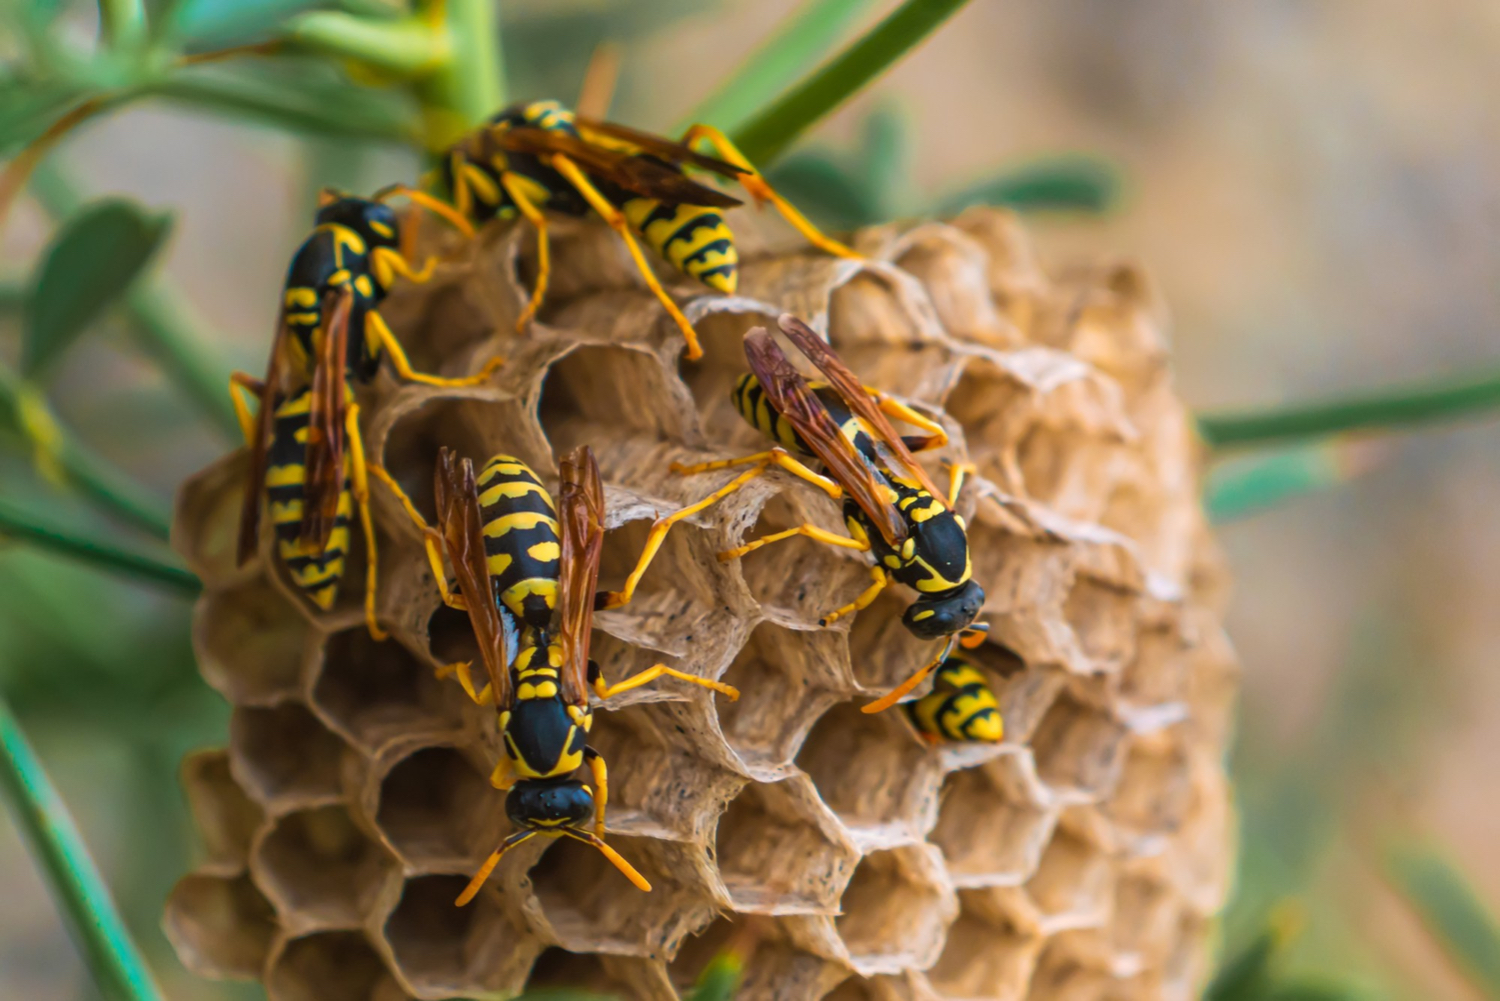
x,y
961,706
306,454
891,508
526,570
539,157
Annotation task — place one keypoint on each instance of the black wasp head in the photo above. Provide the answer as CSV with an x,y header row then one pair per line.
x,y
934,616
549,804
373,220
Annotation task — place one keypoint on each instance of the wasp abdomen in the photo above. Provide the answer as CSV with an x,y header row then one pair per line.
x,y
317,574
960,707
521,540
694,238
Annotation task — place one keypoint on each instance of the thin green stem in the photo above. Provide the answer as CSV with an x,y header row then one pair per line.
x,y
469,85
795,45
160,318
1385,409
119,970
405,47
769,134
123,23
22,524
1248,485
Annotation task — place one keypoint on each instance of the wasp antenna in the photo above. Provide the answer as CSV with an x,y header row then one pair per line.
x,y
327,196
483,874
895,695
619,860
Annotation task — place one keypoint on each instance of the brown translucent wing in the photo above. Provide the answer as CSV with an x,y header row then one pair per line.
x,y
622,167
272,392
848,386
580,515
667,149
323,461
788,392
462,528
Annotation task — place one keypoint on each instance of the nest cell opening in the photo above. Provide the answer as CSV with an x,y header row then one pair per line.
x,y
712,378
205,528
1078,749
225,816
378,693
599,392
774,856
250,643
221,928
438,811
892,915
986,958
1104,620
869,770
1155,791
330,966
786,679
882,651
285,755
442,950
1073,886
988,835
800,578
318,867
564,972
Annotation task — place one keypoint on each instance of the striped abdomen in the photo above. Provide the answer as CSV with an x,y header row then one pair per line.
x,y
520,539
960,707
693,238
749,399
316,573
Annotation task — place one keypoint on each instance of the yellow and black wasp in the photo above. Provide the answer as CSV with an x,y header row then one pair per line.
x,y
891,508
531,158
526,570
306,454
960,708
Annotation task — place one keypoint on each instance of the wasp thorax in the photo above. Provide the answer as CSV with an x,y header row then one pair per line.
x,y
549,804
374,221
936,616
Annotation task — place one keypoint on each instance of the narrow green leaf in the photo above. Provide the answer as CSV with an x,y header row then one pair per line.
x,y
217,23
87,267
469,84
123,23
1445,901
1390,408
823,188
796,45
1072,183
767,136
19,523
1243,487
405,47
119,970
1247,975
885,152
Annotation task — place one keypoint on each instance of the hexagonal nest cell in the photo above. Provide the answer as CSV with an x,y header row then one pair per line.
x,y
842,855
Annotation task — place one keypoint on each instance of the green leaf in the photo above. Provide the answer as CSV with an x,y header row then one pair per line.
x,y
1444,899
118,969
797,44
822,187
1386,409
768,135
1248,975
1073,183
218,23
22,524
404,47
885,152
88,266
720,979
1240,488
1308,991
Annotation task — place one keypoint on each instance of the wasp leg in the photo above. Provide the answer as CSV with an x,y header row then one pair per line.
x,y
362,500
616,220
879,581
463,670
434,205
937,435
504,774
388,263
956,473
894,695
776,456
626,869
239,384
430,539
762,192
601,786
810,531
382,334
477,883
650,674
974,636
538,219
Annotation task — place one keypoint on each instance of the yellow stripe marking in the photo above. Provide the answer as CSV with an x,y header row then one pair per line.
x,y
544,551
518,520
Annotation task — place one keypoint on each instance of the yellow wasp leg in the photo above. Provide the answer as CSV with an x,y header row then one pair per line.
x,y
434,205
403,366
894,695
956,473
463,198
880,580
626,869
389,263
239,384
463,670
430,539
601,787
810,531
937,436
761,191
538,219
761,462
616,220
477,883
776,456
362,500
650,674
504,775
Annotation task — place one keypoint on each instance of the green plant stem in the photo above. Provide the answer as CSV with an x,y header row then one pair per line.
x,y
118,968
469,85
18,523
123,23
1248,485
1444,899
405,47
795,45
769,134
1385,409
159,318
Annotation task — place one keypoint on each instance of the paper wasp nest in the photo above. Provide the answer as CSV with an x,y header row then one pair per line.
x,y
1079,859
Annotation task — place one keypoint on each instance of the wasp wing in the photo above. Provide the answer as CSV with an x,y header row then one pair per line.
x,y
462,529
323,462
789,393
580,515
272,392
848,386
628,170
667,149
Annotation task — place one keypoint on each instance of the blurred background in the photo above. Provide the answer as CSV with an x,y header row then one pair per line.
x,y
1312,185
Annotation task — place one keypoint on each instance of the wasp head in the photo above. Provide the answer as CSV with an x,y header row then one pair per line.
x,y
543,805
934,616
373,220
